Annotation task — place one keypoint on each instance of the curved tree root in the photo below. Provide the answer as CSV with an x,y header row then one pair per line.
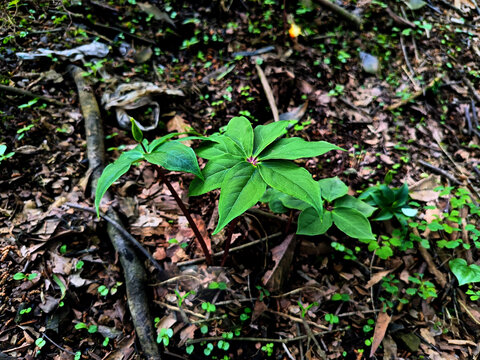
x,y
134,272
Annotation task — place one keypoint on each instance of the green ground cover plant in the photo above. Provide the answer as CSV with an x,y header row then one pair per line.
x,y
244,161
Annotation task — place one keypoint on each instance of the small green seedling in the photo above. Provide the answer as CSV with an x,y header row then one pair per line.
x,y
347,213
243,161
164,336
181,298
268,348
392,202
217,285
304,309
4,156
92,329
22,276
209,307
332,318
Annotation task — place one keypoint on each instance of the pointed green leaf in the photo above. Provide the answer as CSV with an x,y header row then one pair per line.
x,y
264,135
292,180
409,212
224,145
401,196
296,148
351,202
332,188
159,141
136,132
309,223
464,273
384,214
279,202
175,156
240,130
112,173
213,173
241,189
353,223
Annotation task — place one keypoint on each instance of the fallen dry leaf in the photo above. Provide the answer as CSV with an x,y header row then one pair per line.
x,y
282,255
377,277
381,326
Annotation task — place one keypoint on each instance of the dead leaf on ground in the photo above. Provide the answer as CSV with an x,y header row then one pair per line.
x,y
282,255
377,277
179,124
423,190
381,326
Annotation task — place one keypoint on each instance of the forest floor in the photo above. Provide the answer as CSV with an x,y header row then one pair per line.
x,y
397,90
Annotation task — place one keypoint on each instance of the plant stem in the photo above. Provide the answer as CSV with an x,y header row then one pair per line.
x,y
185,211
230,229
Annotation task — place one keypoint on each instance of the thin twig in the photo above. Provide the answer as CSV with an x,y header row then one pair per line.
x,y
268,92
470,86
27,93
187,214
405,56
176,308
298,320
126,234
267,340
220,253
414,95
228,241
440,171
58,346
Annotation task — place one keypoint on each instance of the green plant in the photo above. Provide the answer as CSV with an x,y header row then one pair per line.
x,y
348,213
4,156
103,290
22,276
392,202
40,342
92,329
464,273
243,161
263,293
169,154
181,298
268,348
21,132
426,289
304,309
209,307
164,336
332,318
217,285
342,297
474,294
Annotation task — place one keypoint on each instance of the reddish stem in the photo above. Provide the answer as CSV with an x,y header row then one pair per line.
x,y
208,257
228,241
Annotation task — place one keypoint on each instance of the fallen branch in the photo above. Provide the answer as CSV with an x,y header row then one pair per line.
x,y
161,271
134,272
221,253
414,95
27,93
268,92
440,172
342,12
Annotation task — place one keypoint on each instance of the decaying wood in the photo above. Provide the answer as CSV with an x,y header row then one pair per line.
x,y
22,92
342,12
133,269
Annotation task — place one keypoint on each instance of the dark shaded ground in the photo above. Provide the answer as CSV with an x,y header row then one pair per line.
x,y
420,107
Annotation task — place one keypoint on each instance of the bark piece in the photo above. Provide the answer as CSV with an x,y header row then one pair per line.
x,y
134,272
